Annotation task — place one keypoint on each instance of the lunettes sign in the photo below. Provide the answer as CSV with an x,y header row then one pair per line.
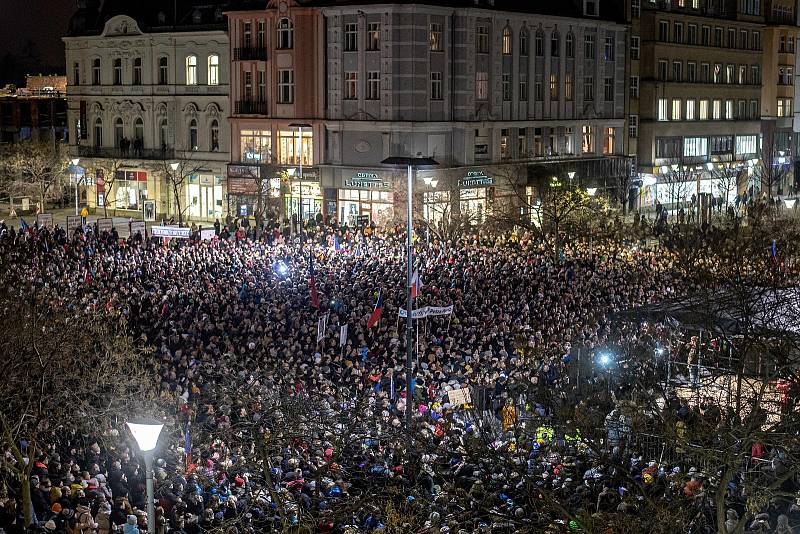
x,y
366,180
476,179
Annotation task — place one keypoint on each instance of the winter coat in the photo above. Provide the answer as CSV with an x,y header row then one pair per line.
x,y
84,522
103,520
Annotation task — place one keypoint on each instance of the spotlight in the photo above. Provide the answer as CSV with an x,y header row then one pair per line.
x,y
282,269
604,359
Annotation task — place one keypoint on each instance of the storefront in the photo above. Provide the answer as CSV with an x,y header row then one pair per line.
x,y
129,190
476,195
365,193
243,183
304,196
204,196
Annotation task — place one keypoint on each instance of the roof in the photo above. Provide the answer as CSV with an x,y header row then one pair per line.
x,y
152,16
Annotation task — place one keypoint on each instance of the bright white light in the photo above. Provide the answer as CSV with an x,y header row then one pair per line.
x,y
664,169
146,435
75,161
591,191
660,351
710,166
291,171
174,166
434,183
604,359
789,202
648,180
282,269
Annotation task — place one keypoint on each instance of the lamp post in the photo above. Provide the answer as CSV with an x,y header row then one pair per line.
x,y
75,162
410,164
146,436
300,127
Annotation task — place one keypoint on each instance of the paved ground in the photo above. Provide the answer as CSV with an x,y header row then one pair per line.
x,y
60,218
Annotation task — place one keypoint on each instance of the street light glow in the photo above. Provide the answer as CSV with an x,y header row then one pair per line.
x,y
75,161
591,191
146,435
174,166
604,359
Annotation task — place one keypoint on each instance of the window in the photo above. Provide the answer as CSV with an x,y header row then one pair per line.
x,y
705,72
256,146
507,87
755,75
786,75
587,144
676,109
691,72
247,35
716,110
731,38
706,36
690,109
163,133
784,107
118,71
373,85
663,31
539,44
213,69
481,85
743,39
248,86
98,132
436,85
286,34
694,147
214,137
742,111
538,92
350,85
137,71
717,36
350,37
751,7
569,90
569,141
76,73
505,153
570,45
729,74
292,149
374,36
193,135
634,87
523,43
163,70
742,75
677,71
119,132
138,129
691,34
555,44
746,144
262,86
553,86
610,49
435,37
668,147
782,44
717,73
588,46
590,8
191,70
285,86
482,41
262,35
663,109
523,87
677,32
609,144
703,110
635,47
507,41
662,69
633,126
608,90
755,40
522,143
588,88
636,9
754,113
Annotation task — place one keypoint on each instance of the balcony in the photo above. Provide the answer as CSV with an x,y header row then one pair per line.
x,y
116,153
250,54
249,107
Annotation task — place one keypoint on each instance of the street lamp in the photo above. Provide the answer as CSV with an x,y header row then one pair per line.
x,y
300,127
146,436
571,175
591,191
410,164
75,162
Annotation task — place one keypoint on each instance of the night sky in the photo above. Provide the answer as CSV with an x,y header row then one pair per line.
x,y
40,23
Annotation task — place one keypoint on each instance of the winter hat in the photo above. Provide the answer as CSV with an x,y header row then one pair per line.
x,y
132,520
50,525
56,508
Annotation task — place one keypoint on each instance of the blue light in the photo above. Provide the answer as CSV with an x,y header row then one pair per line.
x,y
604,359
282,269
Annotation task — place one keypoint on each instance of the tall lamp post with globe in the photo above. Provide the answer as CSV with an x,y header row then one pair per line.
x,y
146,436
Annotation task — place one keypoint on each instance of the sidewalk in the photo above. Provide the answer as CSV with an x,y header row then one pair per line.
x,y
60,218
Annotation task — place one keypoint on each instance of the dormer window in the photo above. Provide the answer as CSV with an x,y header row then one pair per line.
x,y
162,17
197,16
591,8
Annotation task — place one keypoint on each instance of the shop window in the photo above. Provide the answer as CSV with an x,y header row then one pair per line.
x,y
292,150
256,146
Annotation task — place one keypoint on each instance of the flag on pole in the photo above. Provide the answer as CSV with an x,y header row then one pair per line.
x,y
337,245
322,324
416,284
376,313
23,225
774,247
391,387
342,335
312,282
187,446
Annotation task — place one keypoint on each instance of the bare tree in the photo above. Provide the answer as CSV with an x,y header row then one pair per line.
x,y
35,168
772,168
109,167
177,174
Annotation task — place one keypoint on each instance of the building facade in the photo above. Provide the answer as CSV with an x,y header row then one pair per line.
x,y
148,91
492,93
38,111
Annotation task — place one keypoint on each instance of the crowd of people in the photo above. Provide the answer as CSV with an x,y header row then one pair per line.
x,y
234,325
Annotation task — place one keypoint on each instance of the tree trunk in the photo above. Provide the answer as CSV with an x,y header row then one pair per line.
x,y
27,506
177,202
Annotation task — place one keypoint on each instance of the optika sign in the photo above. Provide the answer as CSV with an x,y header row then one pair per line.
x,y
476,179
366,180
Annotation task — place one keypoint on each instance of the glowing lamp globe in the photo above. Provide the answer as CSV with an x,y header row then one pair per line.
x,y
146,435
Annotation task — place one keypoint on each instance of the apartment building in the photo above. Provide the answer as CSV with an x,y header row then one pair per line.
x,y
147,87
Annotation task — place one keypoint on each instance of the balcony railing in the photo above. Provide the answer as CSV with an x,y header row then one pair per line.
x,y
117,153
249,107
250,54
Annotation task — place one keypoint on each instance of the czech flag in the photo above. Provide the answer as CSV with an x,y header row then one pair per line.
x,y
416,284
312,282
23,225
376,313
